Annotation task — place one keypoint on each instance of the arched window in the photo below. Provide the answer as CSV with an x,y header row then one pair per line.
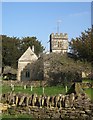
x,y
27,74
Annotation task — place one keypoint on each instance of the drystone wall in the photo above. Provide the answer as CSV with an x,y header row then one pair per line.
x,y
60,106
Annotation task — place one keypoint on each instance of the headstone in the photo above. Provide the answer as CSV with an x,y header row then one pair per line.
x,y
77,89
66,88
12,87
31,88
24,87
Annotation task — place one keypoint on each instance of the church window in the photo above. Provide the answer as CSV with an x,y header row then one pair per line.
x,y
27,74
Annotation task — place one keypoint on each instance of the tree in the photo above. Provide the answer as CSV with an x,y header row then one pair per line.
x,y
82,46
30,41
10,51
63,69
13,48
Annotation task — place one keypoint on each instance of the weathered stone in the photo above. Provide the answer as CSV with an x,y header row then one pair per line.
x,y
67,102
72,99
39,106
21,100
88,112
82,112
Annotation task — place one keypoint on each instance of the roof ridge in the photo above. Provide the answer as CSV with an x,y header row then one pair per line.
x,y
28,55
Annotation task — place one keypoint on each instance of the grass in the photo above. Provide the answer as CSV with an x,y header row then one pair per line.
x,y
54,90
89,92
38,90
87,81
18,116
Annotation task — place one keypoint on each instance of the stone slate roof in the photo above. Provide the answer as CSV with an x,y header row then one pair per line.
x,y
28,55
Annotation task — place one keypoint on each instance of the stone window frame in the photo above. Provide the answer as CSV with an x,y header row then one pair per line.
x,y
27,74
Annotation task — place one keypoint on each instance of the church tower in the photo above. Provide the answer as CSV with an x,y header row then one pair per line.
x,y
59,42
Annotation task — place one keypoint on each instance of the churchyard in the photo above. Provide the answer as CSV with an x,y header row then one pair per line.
x,y
54,90
52,101
38,90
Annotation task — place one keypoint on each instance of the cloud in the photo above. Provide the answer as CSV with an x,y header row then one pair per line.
x,y
79,14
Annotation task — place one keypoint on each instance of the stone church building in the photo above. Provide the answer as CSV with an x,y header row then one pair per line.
x,y
24,64
27,62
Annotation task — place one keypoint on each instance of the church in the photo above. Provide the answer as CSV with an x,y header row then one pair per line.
x,y
27,68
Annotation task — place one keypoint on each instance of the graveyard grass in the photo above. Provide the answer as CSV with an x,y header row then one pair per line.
x,y
54,90
89,92
18,116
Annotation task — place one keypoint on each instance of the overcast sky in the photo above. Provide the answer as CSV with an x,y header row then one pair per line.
x,y
39,19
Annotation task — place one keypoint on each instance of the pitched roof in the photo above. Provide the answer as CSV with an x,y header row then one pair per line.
x,y
28,55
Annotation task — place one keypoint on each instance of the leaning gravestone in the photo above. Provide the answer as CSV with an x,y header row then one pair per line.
x,y
76,89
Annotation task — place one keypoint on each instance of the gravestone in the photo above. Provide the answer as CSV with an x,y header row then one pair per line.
x,y
24,87
31,88
12,87
76,89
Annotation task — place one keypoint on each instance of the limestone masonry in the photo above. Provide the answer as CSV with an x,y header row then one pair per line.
x,y
58,42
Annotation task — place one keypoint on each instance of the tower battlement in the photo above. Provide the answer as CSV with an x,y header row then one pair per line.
x,y
59,42
59,35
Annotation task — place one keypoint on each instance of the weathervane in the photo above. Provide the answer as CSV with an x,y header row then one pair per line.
x,y
58,23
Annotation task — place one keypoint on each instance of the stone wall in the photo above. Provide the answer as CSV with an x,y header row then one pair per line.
x,y
28,83
60,106
87,85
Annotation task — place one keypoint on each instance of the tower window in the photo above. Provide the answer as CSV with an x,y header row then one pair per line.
x,y
58,44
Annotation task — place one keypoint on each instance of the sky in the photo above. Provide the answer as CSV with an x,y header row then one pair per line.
x,y
92,13
39,19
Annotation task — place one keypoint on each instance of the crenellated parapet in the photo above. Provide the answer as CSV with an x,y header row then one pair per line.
x,y
59,42
59,35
